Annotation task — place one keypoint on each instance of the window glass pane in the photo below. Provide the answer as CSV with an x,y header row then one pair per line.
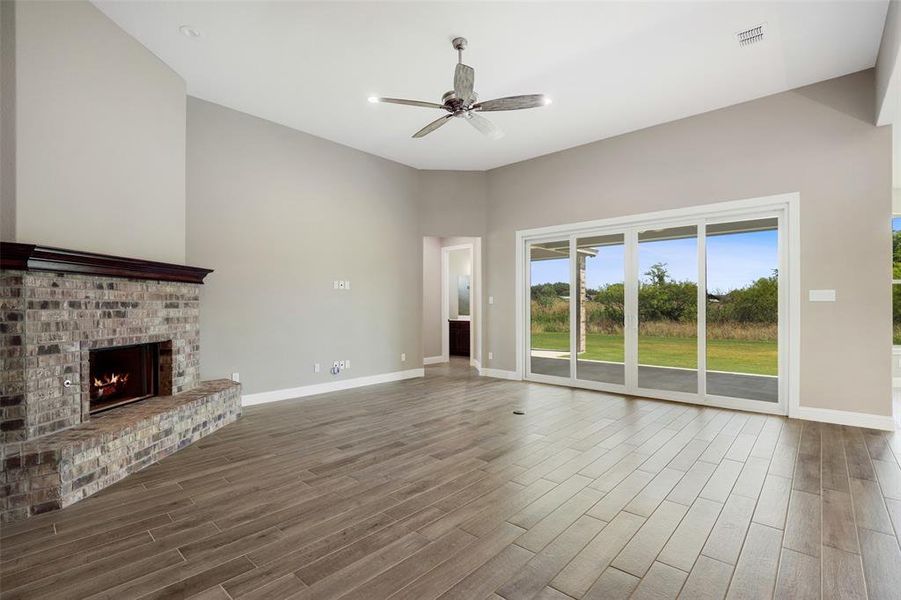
x,y
896,248
601,302
668,309
896,314
549,316
743,309
896,275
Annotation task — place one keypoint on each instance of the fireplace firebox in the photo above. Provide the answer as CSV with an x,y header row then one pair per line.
x,y
123,374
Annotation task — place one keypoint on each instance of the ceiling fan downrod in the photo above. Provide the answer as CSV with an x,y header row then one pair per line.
x,y
459,45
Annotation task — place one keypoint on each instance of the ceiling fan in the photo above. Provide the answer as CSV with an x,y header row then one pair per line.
x,y
461,102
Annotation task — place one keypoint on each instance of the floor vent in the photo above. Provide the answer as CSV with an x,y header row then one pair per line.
x,y
751,36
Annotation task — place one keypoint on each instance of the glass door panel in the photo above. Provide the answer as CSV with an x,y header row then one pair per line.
x,y
600,309
549,313
668,309
743,309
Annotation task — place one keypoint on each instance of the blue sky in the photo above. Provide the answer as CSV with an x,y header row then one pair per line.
x,y
733,261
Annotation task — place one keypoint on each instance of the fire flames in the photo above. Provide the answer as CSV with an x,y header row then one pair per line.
x,y
110,383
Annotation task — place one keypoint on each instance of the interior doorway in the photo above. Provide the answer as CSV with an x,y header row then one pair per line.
x,y
451,299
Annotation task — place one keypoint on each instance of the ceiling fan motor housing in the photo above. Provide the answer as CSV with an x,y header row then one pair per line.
x,y
453,103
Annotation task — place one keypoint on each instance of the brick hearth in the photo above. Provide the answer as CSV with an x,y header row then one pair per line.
x,y
62,468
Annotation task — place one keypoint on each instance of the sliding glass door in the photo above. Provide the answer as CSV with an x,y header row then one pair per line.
x,y
688,310
549,308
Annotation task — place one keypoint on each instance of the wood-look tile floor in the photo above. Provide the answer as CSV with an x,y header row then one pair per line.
x,y
433,489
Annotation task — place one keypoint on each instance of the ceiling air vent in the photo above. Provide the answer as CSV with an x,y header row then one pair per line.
x,y
751,36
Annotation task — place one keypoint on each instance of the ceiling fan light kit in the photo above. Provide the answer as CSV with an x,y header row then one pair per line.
x,y
462,101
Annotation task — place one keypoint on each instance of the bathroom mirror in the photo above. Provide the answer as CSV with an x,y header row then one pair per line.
x,y
463,295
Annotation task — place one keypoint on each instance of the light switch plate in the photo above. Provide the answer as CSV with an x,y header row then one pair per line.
x,y
347,284
490,299
822,295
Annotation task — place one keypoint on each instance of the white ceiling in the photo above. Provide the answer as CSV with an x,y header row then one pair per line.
x,y
610,67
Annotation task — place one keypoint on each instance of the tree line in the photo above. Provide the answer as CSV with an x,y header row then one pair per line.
x,y
662,298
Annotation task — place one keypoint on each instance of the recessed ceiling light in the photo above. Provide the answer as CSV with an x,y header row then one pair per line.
x,y
547,101
189,32
373,99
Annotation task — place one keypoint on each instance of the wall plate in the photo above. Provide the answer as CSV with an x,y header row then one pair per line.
x,y
822,295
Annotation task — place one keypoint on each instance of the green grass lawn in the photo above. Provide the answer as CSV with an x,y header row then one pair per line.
x,y
738,356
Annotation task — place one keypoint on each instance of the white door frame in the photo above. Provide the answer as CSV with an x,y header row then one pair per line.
x,y
475,315
787,207
527,325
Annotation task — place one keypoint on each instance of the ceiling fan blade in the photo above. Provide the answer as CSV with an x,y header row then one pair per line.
x,y
408,102
432,126
464,79
512,103
484,126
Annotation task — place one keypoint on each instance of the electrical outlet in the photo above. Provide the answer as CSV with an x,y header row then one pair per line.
x,y
491,356
340,284
315,367
236,377
336,284
490,299
340,364
335,365
403,357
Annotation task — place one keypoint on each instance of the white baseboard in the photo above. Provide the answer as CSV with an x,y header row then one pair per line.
x,y
324,388
433,360
500,374
844,417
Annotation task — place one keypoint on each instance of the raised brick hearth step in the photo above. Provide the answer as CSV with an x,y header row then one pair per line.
x,y
59,469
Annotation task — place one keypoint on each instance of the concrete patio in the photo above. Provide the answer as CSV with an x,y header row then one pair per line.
x,y
734,385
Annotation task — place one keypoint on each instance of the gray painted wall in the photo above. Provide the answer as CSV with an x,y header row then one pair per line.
x,y
7,121
280,215
818,140
453,210
453,203
100,136
431,296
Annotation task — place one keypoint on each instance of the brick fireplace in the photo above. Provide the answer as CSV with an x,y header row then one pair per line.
x,y
100,372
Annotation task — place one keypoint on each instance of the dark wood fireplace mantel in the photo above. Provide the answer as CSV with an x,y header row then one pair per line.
x,y
32,257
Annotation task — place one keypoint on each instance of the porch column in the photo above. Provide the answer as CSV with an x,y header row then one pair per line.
x,y
583,297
